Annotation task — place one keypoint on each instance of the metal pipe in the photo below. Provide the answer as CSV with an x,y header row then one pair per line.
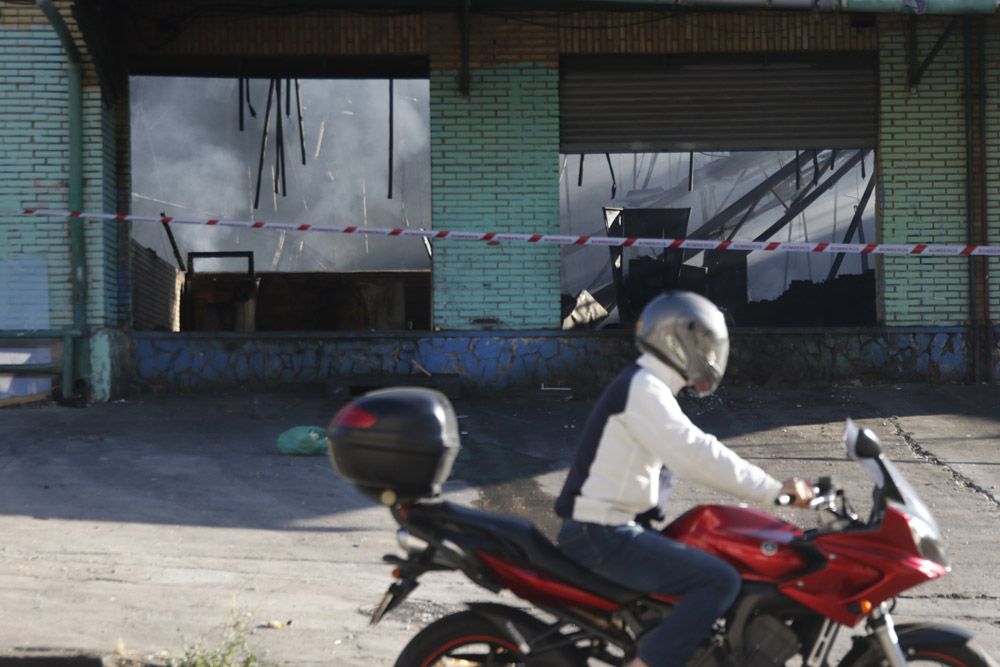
x,y
391,123
975,370
263,144
298,104
984,274
279,142
77,241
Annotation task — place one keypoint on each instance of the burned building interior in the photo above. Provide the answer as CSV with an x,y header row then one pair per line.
x,y
225,156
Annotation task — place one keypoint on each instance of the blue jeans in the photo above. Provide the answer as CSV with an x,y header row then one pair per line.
x,y
648,562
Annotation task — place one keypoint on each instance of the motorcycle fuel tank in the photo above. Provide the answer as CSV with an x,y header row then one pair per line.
x,y
757,544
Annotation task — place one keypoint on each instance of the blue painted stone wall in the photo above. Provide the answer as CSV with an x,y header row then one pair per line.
x,y
478,361
893,355
490,361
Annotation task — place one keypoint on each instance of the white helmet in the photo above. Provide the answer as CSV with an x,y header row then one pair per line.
x,y
688,333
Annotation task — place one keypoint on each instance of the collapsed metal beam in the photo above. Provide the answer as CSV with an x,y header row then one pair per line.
x,y
391,123
263,144
719,220
853,227
801,204
173,242
917,71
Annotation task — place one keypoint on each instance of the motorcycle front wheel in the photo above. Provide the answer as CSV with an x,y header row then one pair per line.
x,y
948,655
465,638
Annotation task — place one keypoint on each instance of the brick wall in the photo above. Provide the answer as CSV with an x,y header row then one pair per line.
x,y
157,288
34,130
704,32
495,167
272,33
33,127
922,153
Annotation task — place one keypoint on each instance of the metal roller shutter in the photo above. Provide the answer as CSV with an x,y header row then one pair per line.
x,y
654,104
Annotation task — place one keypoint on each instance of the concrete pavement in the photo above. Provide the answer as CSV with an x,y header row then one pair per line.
x,y
147,525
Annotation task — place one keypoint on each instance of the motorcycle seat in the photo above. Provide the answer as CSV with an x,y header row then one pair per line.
x,y
534,548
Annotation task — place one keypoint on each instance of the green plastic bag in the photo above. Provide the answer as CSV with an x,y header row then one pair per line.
x,y
303,441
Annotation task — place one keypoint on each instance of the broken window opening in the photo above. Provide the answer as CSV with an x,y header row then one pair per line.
x,y
198,145
809,195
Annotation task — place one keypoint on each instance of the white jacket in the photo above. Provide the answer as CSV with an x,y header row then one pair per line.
x,y
636,439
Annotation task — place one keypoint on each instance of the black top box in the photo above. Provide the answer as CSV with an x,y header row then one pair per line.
x,y
396,444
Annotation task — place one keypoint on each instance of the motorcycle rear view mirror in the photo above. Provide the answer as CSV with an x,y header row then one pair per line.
x,y
863,446
861,442
867,445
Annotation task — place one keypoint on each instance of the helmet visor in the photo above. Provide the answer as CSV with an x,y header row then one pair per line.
x,y
713,354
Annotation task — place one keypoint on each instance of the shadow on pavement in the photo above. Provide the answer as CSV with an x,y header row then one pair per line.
x,y
211,460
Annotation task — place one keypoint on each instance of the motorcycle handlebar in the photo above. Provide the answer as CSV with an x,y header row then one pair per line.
x,y
822,490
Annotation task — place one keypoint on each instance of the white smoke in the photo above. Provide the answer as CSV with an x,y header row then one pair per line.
x,y
189,159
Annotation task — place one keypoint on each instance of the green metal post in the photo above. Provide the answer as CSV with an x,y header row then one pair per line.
x,y
77,241
67,369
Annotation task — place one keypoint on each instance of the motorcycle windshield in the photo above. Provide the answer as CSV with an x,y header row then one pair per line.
x,y
910,502
898,493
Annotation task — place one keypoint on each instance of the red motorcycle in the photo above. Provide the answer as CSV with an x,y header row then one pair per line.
x,y
800,587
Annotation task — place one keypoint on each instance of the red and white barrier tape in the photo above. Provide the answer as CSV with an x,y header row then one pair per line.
x,y
493,238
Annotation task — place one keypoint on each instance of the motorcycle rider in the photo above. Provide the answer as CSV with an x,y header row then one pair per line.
x,y
633,443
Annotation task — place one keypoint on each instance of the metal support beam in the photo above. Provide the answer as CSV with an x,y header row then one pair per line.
x,y
719,220
77,240
853,227
980,327
173,242
800,205
917,71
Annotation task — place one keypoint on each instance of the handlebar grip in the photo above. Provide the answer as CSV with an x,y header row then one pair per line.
x,y
823,486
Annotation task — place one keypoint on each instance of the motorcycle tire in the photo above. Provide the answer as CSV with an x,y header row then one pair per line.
x,y
467,638
948,655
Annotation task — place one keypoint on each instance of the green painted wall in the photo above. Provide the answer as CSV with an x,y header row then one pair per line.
x,y
34,128
495,167
923,161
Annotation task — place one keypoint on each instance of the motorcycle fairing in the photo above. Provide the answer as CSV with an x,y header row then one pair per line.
x,y
864,565
542,588
757,544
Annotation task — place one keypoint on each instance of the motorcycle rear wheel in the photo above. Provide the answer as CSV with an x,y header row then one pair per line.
x,y
466,639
